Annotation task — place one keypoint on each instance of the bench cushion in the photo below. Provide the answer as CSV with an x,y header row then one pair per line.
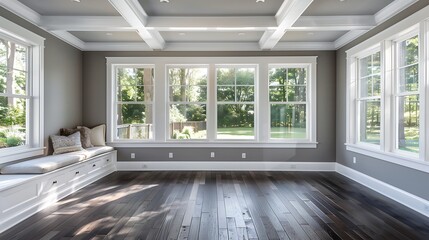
x,y
41,165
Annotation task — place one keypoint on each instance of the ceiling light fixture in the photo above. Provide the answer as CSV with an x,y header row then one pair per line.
x,y
76,1
261,1
164,1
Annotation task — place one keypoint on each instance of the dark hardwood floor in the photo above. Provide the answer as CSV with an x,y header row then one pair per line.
x,y
224,205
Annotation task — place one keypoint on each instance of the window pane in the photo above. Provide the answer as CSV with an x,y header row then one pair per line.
x,y
144,93
226,94
245,76
376,84
187,76
135,121
278,94
408,51
376,63
297,76
225,76
12,122
235,121
409,79
277,76
19,82
296,94
188,94
365,66
370,121
245,94
288,121
127,93
188,121
408,123
20,57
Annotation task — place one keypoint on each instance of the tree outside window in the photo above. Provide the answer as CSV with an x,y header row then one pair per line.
x,y
13,94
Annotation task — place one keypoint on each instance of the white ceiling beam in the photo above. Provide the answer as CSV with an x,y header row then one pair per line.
x,y
85,23
348,37
117,46
333,23
134,14
70,39
287,15
391,10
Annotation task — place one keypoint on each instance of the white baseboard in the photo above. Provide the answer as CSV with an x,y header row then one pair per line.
x,y
414,202
225,166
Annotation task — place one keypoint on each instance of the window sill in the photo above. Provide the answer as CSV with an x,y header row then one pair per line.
x,y
17,153
190,144
405,161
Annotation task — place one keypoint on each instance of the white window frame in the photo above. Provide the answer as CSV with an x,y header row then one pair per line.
x,y
116,102
262,125
168,103
386,41
35,88
255,105
310,108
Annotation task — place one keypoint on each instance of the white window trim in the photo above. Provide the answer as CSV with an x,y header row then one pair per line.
x,y
35,143
385,40
161,138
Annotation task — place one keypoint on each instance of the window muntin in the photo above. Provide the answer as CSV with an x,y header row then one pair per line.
x,y
235,93
14,96
187,102
407,97
369,99
288,102
134,100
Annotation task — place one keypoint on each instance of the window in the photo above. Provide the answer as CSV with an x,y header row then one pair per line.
x,y
407,95
235,102
134,102
211,102
288,102
187,102
21,86
369,99
387,97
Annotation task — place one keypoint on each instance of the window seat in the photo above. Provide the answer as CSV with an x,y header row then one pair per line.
x,y
32,185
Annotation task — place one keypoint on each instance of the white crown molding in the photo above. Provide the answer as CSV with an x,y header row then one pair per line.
x,y
348,37
225,166
412,201
85,23
333,23
287,15
116,46
211,46
21,10
135,15
391,10
304,46
166,23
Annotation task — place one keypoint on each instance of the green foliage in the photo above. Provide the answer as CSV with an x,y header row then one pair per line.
x,y
14,141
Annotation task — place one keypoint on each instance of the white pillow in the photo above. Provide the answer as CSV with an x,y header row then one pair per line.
x,y
97,135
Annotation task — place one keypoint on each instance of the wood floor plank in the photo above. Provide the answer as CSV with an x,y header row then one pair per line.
x,y
223,205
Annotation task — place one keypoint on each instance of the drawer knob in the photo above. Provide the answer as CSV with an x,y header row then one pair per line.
x,y
94,165
77,172
108,160
55,182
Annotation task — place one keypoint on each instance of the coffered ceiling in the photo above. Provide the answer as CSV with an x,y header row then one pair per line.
x,y
206,25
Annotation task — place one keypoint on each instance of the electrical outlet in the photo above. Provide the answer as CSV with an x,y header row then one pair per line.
x,y
133,155
354,160
170,155
212,154
243,155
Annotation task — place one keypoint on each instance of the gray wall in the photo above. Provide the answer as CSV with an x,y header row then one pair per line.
x,y
63,79
94,111
410,180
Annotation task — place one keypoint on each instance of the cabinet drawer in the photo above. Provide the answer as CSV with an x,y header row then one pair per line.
x,y
78,172
55,182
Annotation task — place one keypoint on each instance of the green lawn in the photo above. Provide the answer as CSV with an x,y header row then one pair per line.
x,y
248,133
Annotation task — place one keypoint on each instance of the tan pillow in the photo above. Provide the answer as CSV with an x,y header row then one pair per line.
x,y
85,133
97,135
